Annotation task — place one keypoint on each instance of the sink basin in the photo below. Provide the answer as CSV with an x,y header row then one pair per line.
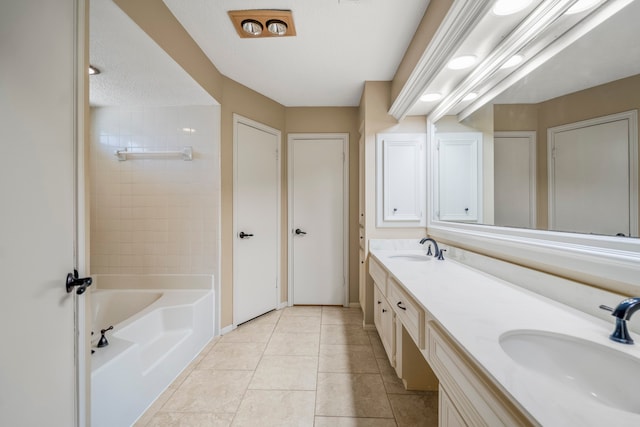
x,y
594,370
410,257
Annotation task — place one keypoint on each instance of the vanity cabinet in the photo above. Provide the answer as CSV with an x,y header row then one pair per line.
x,y
448,415
384,319
401,180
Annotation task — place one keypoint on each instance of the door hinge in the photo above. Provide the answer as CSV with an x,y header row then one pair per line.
x,y
277,155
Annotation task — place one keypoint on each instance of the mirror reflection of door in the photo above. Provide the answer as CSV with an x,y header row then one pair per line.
x,y
515,179
593,177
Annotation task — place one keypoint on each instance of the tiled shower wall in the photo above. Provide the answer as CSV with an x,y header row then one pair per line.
x,y
155,215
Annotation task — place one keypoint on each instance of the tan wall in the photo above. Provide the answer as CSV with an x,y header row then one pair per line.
x,y
615,97
334,120
433,16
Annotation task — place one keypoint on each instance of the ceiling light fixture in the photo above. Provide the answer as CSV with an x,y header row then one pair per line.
x,y
512,62
93,70
462,62
252,27
277,27
259,23
581,6
431,97
509,7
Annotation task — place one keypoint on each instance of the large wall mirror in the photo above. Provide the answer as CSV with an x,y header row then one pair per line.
x,y
546,151
559,147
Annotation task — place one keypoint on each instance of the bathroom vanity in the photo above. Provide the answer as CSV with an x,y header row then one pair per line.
x,y
498,354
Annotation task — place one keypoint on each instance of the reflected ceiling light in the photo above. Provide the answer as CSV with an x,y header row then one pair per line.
x,y
512,62
252,27
509,7
277,27
430,97
462,62
581,6
470,96
93,70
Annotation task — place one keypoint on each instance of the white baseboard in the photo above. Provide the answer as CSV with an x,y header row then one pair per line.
x,y
227,329
354,305
282,305
369,327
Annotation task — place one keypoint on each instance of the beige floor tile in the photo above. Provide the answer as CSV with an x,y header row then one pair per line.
x,y
186,419
343,334
271,317
249,333
376,343
342,317
267,408
302,310
299,324
347,358
209,391
354,422
352,395
415,410
392,383
293,344
156,406
285,373
233,355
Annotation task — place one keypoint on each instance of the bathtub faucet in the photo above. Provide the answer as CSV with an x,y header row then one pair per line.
x,y
103,340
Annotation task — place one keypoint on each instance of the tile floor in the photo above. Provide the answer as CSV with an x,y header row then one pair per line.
x,y
301,366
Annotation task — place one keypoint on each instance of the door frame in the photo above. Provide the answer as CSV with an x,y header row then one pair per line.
x,y
531,136
291,139
238,119
632,123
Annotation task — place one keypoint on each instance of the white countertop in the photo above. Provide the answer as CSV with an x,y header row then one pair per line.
x,y
476,308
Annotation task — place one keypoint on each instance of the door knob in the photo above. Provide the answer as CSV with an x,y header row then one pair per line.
x,y
244,235
82,283
299,232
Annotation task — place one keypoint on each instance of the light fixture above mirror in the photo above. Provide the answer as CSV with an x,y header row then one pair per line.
x,y
253,23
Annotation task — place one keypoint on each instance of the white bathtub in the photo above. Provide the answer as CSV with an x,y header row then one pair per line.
x,y
156,333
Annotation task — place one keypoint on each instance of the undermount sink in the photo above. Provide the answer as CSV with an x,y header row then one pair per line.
x,y
410,257
599,372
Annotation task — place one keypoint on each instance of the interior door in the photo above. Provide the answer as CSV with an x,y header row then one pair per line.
x,y
317,211
589,174
37,130
514,171
257,219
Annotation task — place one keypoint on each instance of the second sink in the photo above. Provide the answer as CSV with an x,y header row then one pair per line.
x,y
599,372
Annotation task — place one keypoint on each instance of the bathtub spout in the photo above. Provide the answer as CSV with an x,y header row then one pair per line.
x,y
103,340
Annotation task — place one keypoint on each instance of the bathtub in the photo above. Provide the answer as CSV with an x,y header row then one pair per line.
x,y
156,333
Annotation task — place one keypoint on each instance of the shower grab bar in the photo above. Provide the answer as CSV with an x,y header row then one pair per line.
x,y
186,153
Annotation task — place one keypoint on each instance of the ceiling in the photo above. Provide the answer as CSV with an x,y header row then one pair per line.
x,y
135,71
339,45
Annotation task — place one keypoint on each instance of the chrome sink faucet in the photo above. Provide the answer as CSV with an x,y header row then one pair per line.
x,y
622,313
439,253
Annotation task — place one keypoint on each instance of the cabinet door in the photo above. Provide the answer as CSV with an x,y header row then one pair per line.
x,y
388,330
401,182
377,309
459,176
448,415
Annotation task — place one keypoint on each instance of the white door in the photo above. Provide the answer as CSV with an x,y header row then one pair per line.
x,y
514,172
37,133
256,219
589,178
317,202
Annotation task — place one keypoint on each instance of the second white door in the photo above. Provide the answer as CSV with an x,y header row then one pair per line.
x,y
317,205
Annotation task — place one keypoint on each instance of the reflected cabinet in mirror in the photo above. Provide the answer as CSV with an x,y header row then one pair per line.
x,y
556,150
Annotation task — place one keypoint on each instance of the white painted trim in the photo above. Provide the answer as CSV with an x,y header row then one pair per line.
x,y
283,304
345,150
368,327
462,17
227,329
237,119
531,135
632,124
355,305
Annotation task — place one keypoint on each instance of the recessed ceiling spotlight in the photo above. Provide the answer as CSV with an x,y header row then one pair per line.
x,y
93,70
430,97
470,96
512,62
509,7
277,27
252,27
462,62
581,6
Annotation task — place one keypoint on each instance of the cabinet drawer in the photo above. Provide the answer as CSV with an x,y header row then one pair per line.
x,y
379,275
407,310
